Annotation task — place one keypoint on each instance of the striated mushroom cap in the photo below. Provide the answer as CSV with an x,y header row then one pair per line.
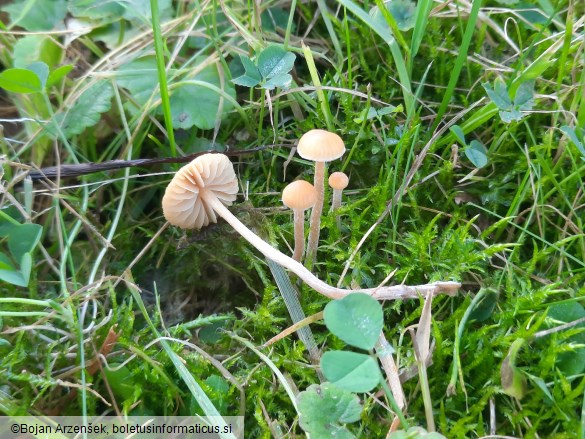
x,y
209,175
300,194
320,146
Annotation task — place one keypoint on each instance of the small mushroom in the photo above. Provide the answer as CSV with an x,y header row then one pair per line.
x,y
338,182
319,146
299,196
199,193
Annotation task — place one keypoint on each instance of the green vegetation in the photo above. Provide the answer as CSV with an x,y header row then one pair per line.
x,y
465,130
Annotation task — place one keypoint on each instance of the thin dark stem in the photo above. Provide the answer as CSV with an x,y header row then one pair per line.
x,y
78,170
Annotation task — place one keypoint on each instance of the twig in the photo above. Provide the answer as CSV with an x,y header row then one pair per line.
x,y
69,171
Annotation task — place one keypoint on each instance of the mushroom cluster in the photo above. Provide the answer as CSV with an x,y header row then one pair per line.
x,y
199,193
319,146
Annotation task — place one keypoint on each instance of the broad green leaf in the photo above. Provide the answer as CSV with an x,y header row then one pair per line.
x,y
324,408
251,77
115,35
6,263
20,81
211,334
245,81
350,370
25,267
456,129
357,319
509,116
499,96
371,112
13,277
531,13
37,15
570,363
194,104
389,109
403,12
23,239
573,134
250,68
524,99
485,307
568,312
282,81
59,73
33,48
121,381
139,10
368,114
274,61
476,153
6,227
276,17
140,77
86,110
41,70
96,9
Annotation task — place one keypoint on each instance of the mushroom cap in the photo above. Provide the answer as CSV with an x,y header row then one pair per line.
x,y
338,180
299,194
184,203
320,146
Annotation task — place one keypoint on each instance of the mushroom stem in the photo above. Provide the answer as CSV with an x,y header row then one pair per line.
x,y
299,219
336,204
336,200
381,293
315,227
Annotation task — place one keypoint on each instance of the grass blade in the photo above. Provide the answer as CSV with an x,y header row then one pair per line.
x,y
194,387
403,75
459,61
162,75
291,300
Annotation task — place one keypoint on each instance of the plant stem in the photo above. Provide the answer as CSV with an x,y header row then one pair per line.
x,y
393,404
381,293
426,394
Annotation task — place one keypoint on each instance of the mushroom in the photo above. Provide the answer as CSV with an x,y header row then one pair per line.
x,y
299,196
319,146
338,182
200,191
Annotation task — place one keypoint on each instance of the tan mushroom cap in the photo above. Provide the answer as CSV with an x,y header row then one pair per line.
x,y
320,146
209,175
338,180
299,194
